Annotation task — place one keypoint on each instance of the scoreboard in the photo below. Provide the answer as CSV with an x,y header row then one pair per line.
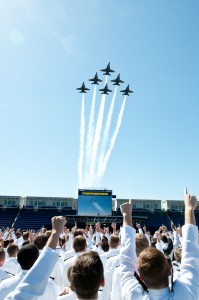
x,y
94,202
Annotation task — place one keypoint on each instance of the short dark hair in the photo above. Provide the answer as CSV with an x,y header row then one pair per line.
x,y
12,249
40,241
104,244
86,275
78,232
164,239
79,243
2,254
27,256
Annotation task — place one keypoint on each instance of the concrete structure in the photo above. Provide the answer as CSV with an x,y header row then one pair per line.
x,y
141,203
10,201
177,205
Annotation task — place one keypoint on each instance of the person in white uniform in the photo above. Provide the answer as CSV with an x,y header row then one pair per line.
x,y
11,264
3,274
26,257
153,266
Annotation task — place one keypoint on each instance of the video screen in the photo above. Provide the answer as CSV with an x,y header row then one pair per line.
x,y
94,202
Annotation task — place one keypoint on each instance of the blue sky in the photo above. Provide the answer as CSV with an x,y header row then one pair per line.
x,y
48,49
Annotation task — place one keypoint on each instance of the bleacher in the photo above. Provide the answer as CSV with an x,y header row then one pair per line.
x,y
7,216
35,218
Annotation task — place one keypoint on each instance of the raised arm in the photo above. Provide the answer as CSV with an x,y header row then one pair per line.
x,y
128,258
34,283
190,249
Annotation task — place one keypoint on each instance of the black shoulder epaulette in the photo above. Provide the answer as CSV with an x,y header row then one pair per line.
x,y
68,258
112,256
53,278
9,273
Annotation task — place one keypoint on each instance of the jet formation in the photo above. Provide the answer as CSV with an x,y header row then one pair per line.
x,y
106,90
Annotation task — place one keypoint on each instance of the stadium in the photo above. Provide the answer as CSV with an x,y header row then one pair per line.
x,y
34,212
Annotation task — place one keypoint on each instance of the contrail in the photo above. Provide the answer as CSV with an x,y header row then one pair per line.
x,y
90,128
96,140
106,132
81,153
119,121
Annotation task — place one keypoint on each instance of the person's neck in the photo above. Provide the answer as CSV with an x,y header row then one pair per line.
x,y
94,297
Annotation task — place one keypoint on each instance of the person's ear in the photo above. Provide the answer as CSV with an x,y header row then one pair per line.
x,y
102,282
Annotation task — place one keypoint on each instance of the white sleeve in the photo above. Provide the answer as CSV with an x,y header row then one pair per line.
x,y
189,271
34,283
159,246
140,230
128,263
175,240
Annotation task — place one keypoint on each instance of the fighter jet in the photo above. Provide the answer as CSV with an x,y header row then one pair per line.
x,y
117,80
95,79
105,90
126,91
82,89
107,70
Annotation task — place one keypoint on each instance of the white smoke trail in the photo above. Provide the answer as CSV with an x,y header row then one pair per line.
x,y
106,132
113,139
81,153
96,141
90,128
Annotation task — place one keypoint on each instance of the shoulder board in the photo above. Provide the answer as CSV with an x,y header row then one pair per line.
x,y
9,273
68,258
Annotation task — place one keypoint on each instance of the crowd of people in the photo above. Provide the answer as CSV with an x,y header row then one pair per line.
x,y
98,263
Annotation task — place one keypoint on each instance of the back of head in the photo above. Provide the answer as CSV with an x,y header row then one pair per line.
x,y
141,243
78,232
2,254
178,254
104,244
26,235
86,275
12,250
164,239
27,256
114,241
153,242
153,268
79,244
40,241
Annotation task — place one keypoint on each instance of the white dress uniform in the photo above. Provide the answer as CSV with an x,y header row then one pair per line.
x,y
67,263
4,274
11,265
106,255
112,263
116,285
186,287
34,282
8,285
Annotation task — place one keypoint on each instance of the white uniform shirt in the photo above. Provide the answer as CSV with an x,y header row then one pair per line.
x,y
34,282
186,287
111,264
106,255
8,285
4,274
11,265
